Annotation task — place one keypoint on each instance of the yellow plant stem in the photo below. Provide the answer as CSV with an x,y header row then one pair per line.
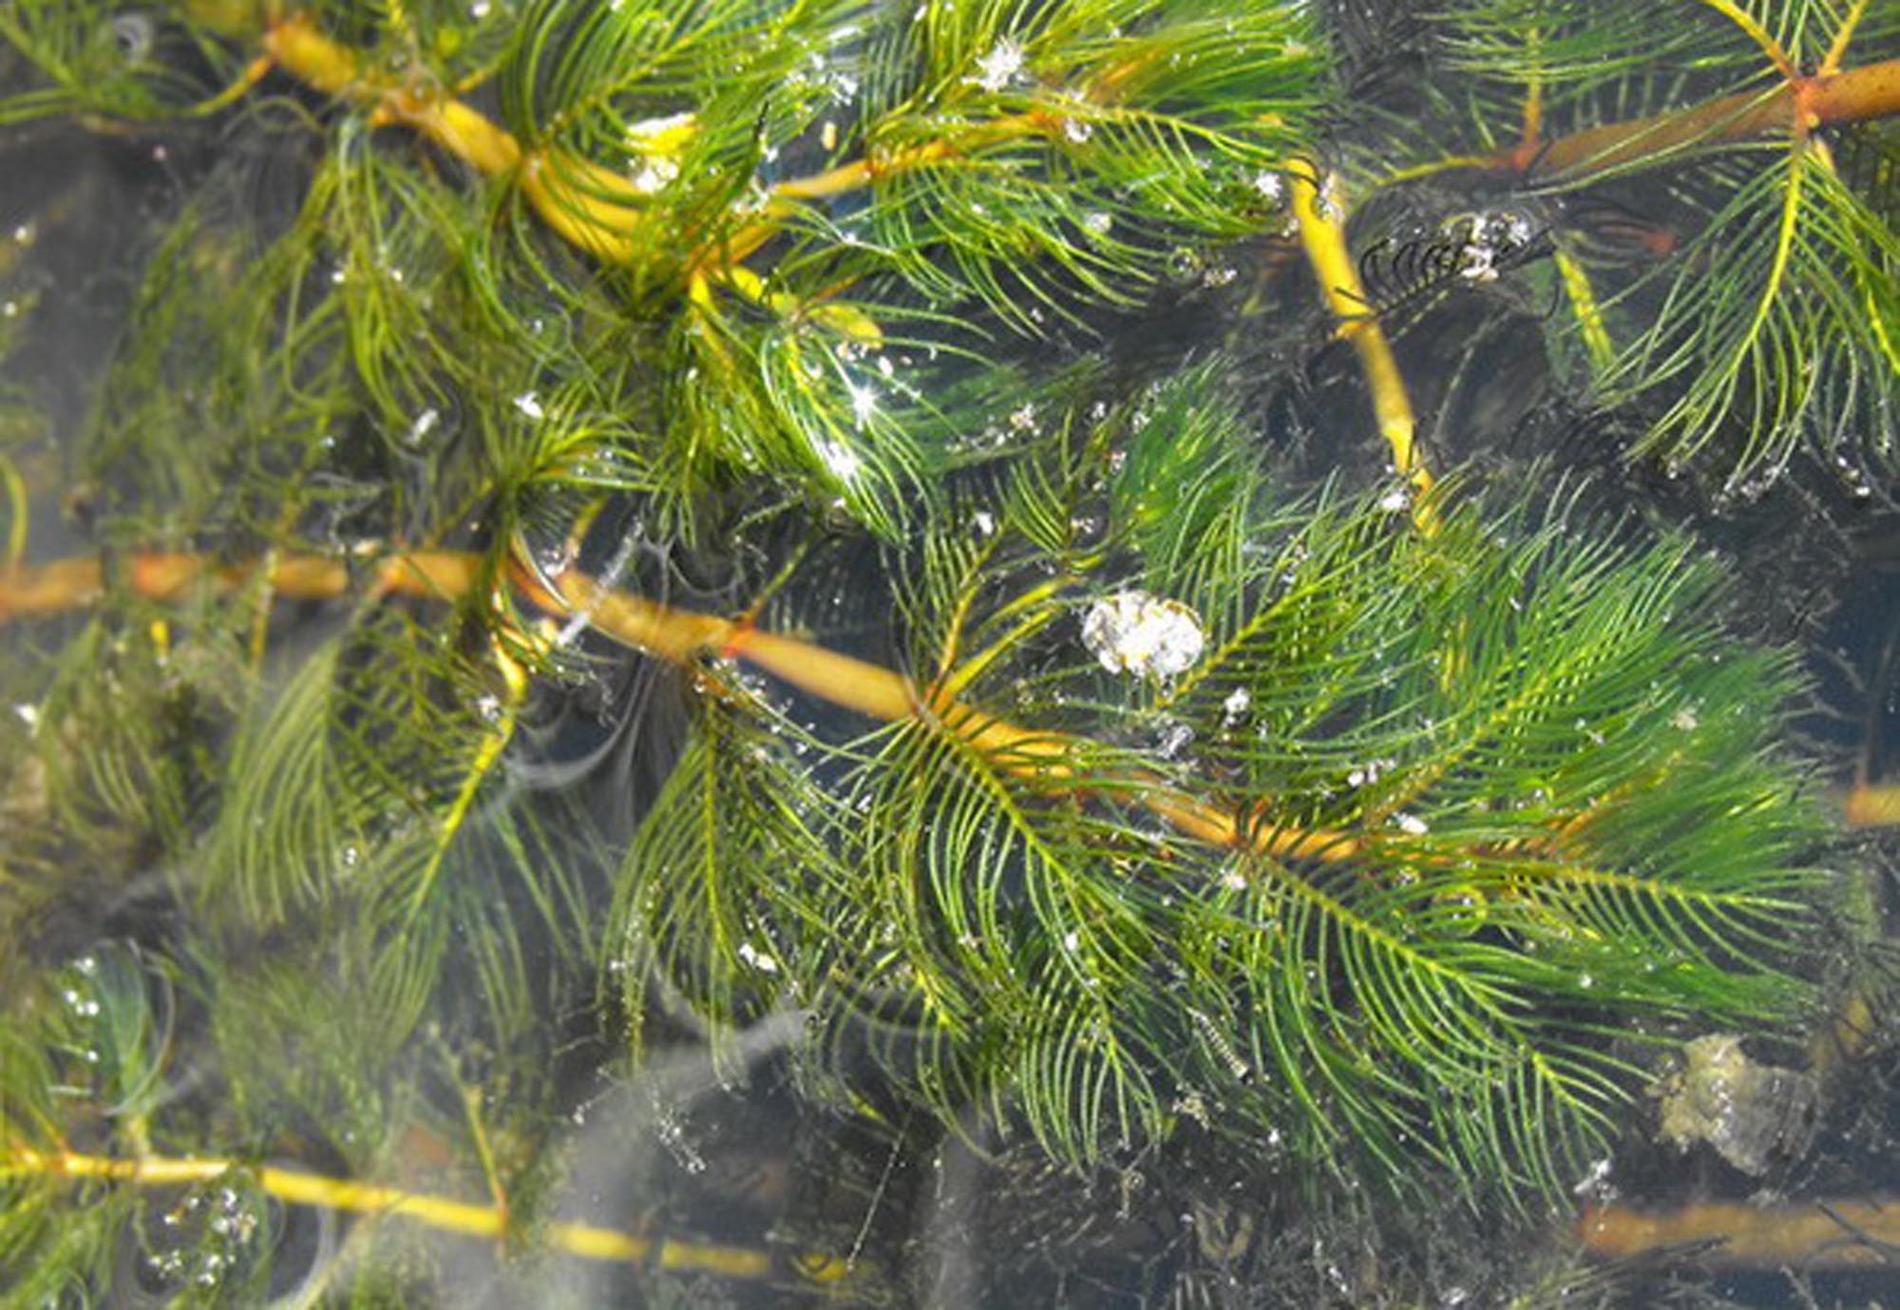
x,y
1785,233
19,506
592,208
39,591
1319,208
1756,33
787,196
487,758
294,1187
1843,37
42,590
1587,310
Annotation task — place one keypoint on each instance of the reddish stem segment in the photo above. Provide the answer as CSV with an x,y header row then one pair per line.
x,y
1816,1236
1045,759
1856,96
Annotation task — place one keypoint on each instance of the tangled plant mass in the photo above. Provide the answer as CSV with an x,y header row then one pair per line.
x,y
644,519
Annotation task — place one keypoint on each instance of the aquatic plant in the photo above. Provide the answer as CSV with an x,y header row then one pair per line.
x,y
741,577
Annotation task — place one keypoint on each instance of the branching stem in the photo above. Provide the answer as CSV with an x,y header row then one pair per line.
x,y
1756,33
1044,759
1856,95
600,211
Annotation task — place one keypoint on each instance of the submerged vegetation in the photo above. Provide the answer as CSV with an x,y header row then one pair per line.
x,y
920,549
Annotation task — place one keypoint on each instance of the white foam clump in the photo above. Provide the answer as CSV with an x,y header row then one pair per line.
x,y
1136,632
1000,66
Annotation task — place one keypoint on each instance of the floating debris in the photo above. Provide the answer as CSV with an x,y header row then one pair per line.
x,y
1135,632
1000,66
1750,1113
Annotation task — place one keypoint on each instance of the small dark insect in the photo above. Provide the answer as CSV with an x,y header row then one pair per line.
x,y
1415,270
